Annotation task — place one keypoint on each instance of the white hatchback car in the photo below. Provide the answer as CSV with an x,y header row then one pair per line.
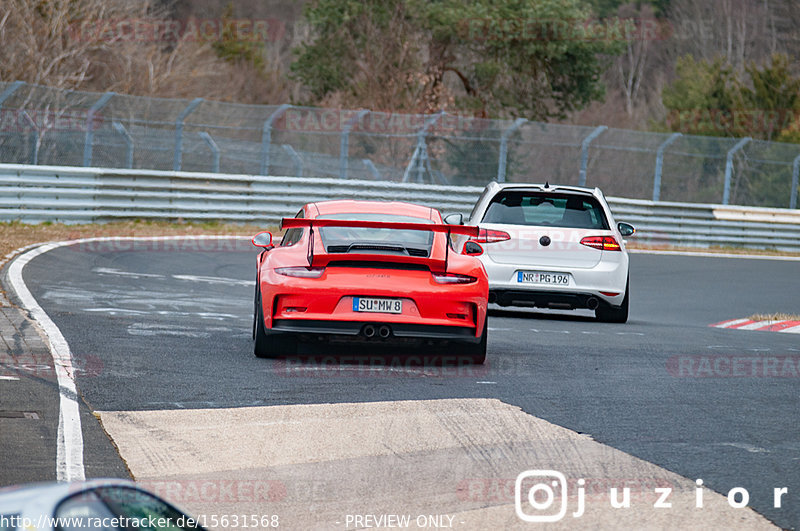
x,y
552,247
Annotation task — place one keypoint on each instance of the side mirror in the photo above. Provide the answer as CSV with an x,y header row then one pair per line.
x,y
263,239
472,248
626,229
454,219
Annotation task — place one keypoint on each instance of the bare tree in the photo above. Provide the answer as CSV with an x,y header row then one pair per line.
x,y
632,64
79,44
737,30
388,73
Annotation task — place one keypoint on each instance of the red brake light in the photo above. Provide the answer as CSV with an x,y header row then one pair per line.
x,y
491,236
601,243
453,278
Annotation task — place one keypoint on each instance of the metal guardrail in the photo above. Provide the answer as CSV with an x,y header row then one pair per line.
x,y
707,225
51,126
34,194
81,195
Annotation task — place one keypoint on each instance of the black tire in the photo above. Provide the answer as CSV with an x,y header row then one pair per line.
x,y
610,314
255,309
270,346
476,352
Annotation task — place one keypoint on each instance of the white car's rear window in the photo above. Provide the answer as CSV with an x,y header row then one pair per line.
x,y
546,209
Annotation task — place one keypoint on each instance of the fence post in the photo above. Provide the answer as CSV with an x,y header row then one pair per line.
x,y
119,128
87,145
11,89
660,164
176,163
420,156
344,147
726,194
585,153
371,167
501,163
298,160
795,175
35,147
266,137
214,150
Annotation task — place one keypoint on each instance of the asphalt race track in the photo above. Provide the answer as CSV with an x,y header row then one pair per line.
x,y
161,330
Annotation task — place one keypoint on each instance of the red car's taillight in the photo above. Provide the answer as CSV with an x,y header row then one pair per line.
x,y
601,243
300,272
491,236
453,278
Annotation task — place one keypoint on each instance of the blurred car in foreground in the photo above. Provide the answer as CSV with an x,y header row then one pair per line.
x,y
108,504
555,247
369,271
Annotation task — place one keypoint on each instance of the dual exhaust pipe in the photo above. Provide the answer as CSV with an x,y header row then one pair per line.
x,y
383,331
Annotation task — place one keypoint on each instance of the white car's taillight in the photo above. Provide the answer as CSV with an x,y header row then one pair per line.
x,y
301,272
491,236
453,278
601,243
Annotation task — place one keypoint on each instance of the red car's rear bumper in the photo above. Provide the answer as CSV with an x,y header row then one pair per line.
x,y
325,305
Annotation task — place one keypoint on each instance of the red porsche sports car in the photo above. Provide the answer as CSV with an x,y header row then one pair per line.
x,y
369,271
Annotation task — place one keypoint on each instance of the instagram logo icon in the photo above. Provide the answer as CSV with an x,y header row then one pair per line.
x,y
540,496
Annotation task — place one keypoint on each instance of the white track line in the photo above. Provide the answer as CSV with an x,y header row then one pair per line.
x,y
69,451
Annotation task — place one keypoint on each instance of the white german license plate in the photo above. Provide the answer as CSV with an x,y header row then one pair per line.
x,y
542,277
366,304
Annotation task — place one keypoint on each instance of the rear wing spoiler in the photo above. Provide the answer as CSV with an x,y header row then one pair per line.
x,y
293,223
465,230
